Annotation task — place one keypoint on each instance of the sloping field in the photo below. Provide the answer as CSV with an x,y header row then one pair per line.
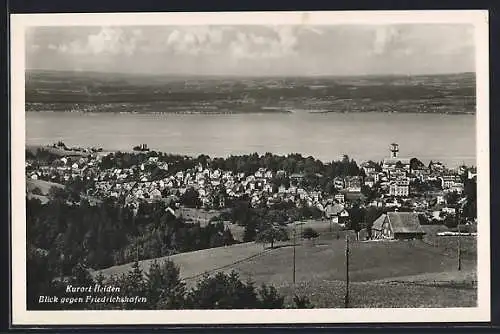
x,y
368,261
44,186
383,274
194,264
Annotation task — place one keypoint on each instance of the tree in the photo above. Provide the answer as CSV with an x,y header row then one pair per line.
x,y
227,291
302,302
270,298
452,198
227,237
356,217
470,206
272,234
40,280
164,288
222,291
80,277
372,213
134,284
191,198
450,221
250,233
416,164
309,233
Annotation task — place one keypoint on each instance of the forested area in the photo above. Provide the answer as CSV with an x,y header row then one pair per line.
x,y
107,234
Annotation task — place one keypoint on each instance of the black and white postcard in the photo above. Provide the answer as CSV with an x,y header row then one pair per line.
x,y
250,168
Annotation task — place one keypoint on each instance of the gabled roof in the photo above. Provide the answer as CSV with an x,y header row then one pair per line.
x,y
377,224
405,222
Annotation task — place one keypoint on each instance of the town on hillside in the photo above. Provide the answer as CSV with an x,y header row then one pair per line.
x,y
436,193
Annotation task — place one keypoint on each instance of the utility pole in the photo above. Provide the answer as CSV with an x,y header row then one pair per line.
x,y
294,243
346,299
459,248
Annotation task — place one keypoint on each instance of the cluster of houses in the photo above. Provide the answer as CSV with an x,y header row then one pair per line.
x,y
395,175
391,179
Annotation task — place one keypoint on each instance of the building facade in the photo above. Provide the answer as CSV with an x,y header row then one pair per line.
x,y
399,188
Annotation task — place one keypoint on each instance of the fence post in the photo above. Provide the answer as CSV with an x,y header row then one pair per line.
x,y
346,299
294,243
459,248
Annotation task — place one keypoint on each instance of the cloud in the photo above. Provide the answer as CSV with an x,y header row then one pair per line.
x,y
33,48
282,42
256,49
385,39
195,40
108,41
425,40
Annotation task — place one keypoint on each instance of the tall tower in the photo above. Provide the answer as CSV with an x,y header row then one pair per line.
x,y
394,150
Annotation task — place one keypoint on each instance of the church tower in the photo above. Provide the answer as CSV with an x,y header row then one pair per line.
x,y
394,150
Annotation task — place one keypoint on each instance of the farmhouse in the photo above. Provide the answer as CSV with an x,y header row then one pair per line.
x,y
397,225
337,213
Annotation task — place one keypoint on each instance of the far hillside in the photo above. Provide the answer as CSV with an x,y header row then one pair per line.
x,y
109,92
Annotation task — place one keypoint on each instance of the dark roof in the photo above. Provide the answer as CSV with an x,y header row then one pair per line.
x,y
405,222
354,196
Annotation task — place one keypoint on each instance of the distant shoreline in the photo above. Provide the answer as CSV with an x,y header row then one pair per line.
x,y
246,112
106,151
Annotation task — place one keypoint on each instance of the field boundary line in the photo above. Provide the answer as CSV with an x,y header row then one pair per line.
x,y
230,264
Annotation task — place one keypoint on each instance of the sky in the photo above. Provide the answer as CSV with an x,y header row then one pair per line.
x,y
261,50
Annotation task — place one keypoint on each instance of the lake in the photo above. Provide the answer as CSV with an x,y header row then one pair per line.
x,y
447,138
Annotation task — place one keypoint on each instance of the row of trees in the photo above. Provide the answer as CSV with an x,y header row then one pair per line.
x,y
160,287
248,164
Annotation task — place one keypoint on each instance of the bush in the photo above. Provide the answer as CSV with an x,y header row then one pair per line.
x,y
222,291
309,233
270,298
227,291
302,302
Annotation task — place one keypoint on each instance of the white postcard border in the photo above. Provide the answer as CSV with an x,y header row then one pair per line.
x,y
20,315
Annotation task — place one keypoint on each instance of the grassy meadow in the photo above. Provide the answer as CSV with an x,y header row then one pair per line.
x,y
382,273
